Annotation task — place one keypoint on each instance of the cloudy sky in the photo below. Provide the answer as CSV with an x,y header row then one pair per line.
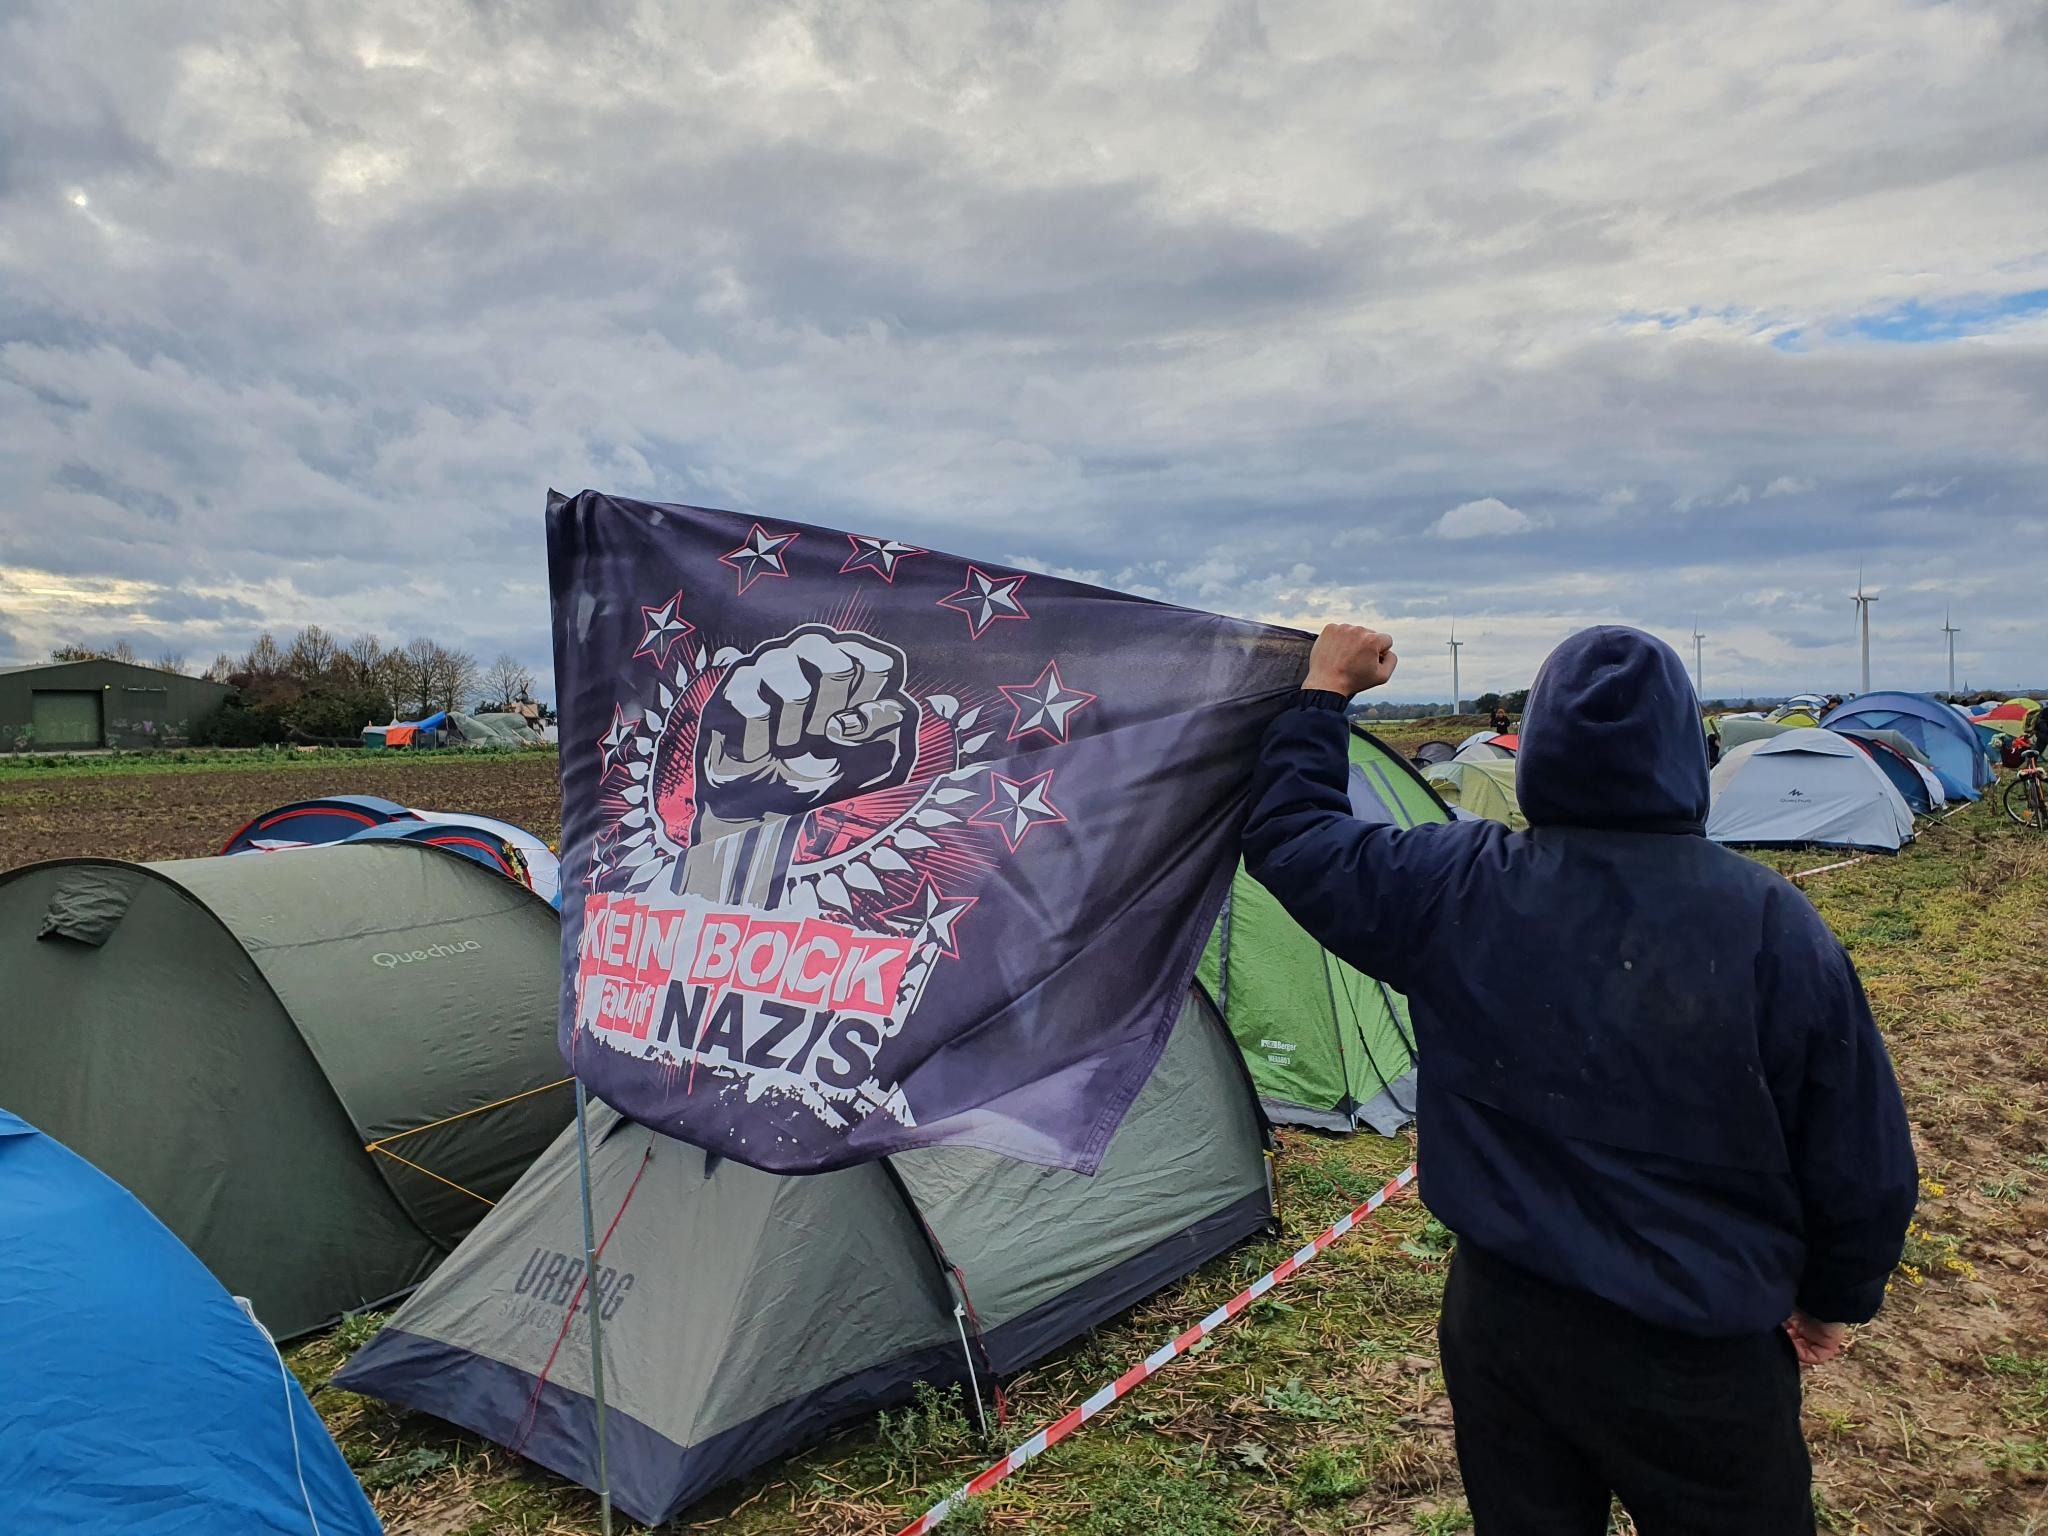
x,y
1663,313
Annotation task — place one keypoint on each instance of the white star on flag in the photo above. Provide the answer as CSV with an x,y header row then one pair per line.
x,y
761,555
664,627
984,599
1015,807
1044,705
878,555
617,736
935,916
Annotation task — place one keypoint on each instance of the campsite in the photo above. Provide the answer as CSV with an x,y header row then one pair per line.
x,y
1320,1410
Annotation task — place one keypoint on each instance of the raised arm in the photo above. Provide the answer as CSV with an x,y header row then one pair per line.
x,y
1365,890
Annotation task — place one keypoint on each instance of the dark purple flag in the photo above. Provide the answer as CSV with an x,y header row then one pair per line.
x,y
867,847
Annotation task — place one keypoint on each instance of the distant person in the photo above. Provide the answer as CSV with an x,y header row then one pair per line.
x,y
1501,723
1658,1116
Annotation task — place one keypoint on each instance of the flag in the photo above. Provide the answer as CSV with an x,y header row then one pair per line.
x,y
867,847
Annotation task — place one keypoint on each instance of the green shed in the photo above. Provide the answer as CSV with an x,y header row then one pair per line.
x,y
318,1067
81,706
1328,1046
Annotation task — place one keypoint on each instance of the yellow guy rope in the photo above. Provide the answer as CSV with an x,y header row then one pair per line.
x,y
382,1146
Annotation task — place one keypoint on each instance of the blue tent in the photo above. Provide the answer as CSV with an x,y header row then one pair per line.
x,y
327,819
138,1399
1948,740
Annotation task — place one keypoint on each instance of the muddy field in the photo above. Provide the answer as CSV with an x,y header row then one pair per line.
x,y
187,812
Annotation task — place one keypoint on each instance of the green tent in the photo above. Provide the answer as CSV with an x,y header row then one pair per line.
x,y
316,1067
746,1313
1485,789
1327,1046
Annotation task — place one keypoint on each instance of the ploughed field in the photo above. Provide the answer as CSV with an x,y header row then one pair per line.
x,y
1320,1410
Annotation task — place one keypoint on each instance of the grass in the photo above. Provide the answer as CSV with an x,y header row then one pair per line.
x,y
1320,1410
33,768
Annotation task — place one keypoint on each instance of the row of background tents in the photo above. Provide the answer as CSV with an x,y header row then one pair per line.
x,y
452,728
331,1071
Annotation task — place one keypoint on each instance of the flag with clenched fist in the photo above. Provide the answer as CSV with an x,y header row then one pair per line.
x,y
867,847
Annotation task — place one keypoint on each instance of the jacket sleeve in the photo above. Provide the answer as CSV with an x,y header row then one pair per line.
x,y
1852,1152
1368,892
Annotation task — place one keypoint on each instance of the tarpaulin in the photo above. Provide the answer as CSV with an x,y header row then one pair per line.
x,y
868,847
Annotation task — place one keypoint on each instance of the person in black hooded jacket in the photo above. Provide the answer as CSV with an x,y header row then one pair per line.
x,y
1652,1102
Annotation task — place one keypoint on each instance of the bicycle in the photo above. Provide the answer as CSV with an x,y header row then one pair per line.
x,y
2026,794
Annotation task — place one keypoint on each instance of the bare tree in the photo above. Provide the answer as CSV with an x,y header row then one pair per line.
x,y
171,661
74,651
415,670
264,658
311,655
223,665
505,681
455,674
361,657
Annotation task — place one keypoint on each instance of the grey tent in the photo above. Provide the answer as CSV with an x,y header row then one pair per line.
x,y
1807,787
316,1067
745,1313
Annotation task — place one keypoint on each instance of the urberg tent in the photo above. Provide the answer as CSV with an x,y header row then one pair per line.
x,y
1806,787
326,819
745,1313
317,1068
1327,1046
1487,790
138,1399
1951,744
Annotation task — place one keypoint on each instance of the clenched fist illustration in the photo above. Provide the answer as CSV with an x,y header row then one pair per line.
x,y
815,716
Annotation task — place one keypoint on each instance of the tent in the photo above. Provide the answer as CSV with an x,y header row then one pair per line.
x,y
511,850
1793,718
1490,749
316,1068
138,1398
1434,752
1950,743
1806,787
1914,781
1737,729
1327,1046
1487,790
746,1313
327,819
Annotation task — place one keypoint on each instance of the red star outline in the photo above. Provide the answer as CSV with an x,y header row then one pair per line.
x,y
867,550
747,552
1009,691
916,903
1010,584
1043,784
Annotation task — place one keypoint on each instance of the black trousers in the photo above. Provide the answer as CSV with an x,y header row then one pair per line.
x,y
1562,1401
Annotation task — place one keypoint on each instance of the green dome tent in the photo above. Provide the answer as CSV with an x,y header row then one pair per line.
x,y
1327,1046
1486,790
316,1067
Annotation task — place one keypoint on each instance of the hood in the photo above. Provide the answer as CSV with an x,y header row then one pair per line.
x,y
1611,737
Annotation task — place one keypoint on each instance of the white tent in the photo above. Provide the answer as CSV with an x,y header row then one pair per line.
x,y
1806,787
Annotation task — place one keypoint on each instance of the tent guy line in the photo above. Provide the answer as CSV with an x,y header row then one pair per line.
x,y
1110,1392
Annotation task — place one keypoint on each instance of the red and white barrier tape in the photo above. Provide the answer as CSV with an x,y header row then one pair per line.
x,y
1074,1418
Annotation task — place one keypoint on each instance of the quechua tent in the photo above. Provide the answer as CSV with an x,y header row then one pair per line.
x,y
317,1067
1327,1046
138,1399
1807,787
745,1313
1951,743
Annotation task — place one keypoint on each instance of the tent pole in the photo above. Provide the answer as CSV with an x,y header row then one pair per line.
x,y
967,1354
604,1477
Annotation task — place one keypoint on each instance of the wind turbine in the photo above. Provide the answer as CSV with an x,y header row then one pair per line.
x,y
1697,637
1863,600
1948,628
1456,644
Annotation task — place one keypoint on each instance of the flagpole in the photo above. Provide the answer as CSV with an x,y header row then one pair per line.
x,y
604,1479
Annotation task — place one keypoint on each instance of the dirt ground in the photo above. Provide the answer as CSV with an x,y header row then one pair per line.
x,y
1321,1411
188,812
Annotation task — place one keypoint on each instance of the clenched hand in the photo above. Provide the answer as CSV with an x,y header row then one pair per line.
x,y
1349,658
